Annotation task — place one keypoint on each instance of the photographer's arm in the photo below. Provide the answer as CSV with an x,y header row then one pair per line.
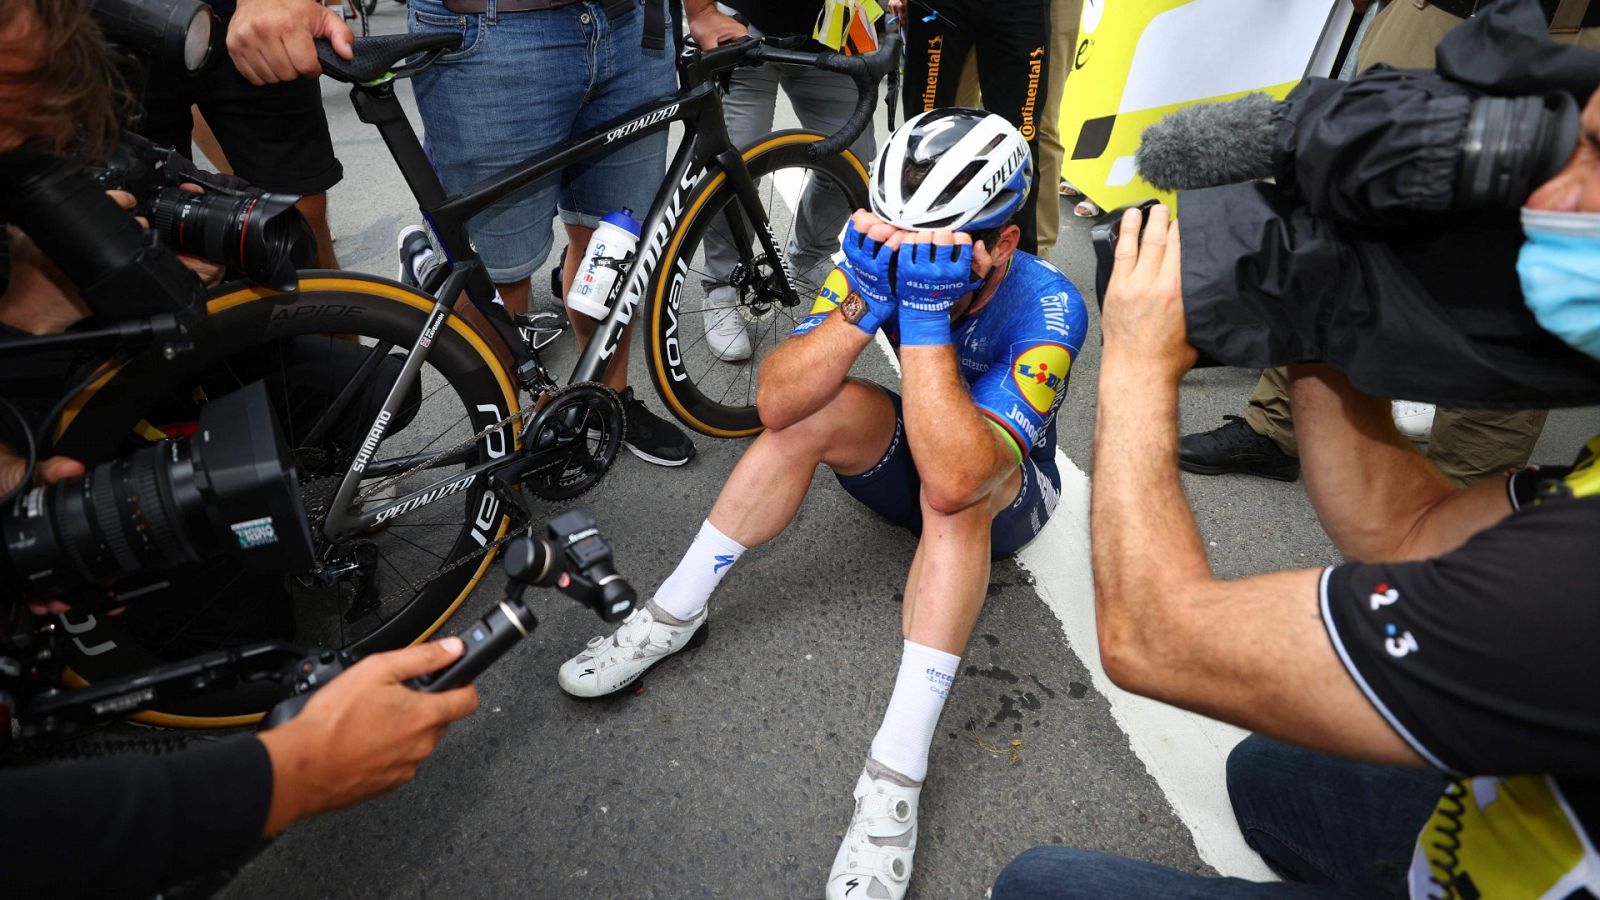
x,y
1253,651
1376,496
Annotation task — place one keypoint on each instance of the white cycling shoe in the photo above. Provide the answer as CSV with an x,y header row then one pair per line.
x,y
874,861
611,662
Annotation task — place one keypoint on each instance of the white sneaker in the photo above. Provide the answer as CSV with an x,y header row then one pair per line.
x,y
1414,420
725,332
610,663
874,861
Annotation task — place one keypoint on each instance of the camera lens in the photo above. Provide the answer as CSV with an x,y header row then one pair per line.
x,y
264,236
227,489
127,515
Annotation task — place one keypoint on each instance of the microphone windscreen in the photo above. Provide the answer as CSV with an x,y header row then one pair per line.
x,y
1210,144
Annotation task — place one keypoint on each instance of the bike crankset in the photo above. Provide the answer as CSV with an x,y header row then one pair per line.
x,y
575,437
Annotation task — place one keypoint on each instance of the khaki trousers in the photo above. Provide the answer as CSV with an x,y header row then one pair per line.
x,y
1467,445
1064,16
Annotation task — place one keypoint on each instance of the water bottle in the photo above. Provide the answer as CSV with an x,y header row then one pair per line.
x,y
616,237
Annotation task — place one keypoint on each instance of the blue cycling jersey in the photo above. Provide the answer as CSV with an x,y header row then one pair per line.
x,y
1014,352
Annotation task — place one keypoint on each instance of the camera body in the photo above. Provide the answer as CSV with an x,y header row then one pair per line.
x,y
259,235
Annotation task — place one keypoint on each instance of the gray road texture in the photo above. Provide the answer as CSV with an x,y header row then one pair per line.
x,y
729,774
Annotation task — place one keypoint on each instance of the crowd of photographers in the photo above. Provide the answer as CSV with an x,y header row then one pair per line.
x,y
1425,715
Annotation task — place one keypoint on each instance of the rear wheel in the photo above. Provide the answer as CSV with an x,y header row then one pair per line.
x,y
711,287
382,588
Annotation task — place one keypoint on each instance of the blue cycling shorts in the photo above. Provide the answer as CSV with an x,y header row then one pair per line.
x,y
893,489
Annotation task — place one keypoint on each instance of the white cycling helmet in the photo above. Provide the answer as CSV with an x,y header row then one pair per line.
x,y
955,168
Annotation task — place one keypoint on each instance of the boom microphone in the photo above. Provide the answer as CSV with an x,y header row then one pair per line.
x,y
1211,144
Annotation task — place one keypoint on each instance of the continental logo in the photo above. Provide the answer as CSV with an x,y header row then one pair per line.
x,y
1040,374
833,291
935,55
1035,68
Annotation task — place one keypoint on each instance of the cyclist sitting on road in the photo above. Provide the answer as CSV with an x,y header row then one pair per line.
x,y
985,335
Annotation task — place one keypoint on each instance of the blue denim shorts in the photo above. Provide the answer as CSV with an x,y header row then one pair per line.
x,y
527,82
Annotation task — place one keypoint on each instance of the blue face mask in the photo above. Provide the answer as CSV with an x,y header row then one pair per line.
x,y
1560,270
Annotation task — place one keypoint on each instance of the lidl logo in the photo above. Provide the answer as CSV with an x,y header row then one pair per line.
x,y
1041,373
833,291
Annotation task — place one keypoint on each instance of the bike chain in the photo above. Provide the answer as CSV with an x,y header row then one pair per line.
x,y
316,513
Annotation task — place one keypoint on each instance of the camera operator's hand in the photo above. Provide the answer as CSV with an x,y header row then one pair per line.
x,y
273,40
363,734
711,27
208,272
1143,321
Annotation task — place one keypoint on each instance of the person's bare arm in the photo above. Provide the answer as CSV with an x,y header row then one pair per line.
x,y
273,40
961,457
1377,497
806,371
1253,651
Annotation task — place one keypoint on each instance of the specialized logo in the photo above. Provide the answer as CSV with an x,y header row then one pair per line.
x,y
655,118
424,499
1008,169
1040,373
723,561
649,257
851,885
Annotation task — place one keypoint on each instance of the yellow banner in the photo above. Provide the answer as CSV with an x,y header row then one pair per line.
x,y
1138,60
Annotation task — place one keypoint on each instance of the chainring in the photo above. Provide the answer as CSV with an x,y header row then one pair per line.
x,y
580,426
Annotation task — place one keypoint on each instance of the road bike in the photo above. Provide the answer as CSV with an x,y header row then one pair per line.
x,y
406,423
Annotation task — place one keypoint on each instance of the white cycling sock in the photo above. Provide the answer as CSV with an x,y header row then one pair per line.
x,y
919,694
686,590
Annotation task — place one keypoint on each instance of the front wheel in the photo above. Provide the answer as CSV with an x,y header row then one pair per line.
x,y
719,303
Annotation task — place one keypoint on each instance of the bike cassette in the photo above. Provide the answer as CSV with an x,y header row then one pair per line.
x,y
572,440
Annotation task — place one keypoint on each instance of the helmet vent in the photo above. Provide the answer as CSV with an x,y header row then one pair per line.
x,y
959,183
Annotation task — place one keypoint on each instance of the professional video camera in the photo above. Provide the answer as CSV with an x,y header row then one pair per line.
x,y
226,490
573,557
1387,242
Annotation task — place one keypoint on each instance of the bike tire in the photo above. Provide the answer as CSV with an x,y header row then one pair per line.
x,y
246,323
713,397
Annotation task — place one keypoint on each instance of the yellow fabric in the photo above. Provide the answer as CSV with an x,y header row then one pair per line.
x,y
1501,837
832,293
847,25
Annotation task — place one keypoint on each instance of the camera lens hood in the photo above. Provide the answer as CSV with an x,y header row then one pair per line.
x,y
1511,146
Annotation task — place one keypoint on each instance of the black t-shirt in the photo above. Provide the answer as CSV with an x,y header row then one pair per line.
x,y
130,825
1486,661
780,18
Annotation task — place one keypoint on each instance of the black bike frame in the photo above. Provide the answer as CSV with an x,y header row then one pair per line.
x,y
705,144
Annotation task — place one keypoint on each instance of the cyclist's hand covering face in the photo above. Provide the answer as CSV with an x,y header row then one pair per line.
x,y
933,270
866,265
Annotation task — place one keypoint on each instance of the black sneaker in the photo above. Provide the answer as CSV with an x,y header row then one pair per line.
x,y
1235,447
652,438
540,329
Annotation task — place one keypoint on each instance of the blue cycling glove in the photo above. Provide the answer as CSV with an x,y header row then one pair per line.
x,y
866,263
929,279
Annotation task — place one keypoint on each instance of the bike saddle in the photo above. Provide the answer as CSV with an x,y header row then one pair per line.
x,y
375,56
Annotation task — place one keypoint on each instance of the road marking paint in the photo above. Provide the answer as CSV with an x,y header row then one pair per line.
x,y
1184,752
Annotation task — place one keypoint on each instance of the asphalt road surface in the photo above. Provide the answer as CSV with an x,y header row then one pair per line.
x,y
729,773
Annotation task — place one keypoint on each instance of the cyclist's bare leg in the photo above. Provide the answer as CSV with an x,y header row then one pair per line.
x,y
849,435
949,575
577,243
515,295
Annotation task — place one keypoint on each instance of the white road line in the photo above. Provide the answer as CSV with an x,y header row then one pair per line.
x,y
1185,753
